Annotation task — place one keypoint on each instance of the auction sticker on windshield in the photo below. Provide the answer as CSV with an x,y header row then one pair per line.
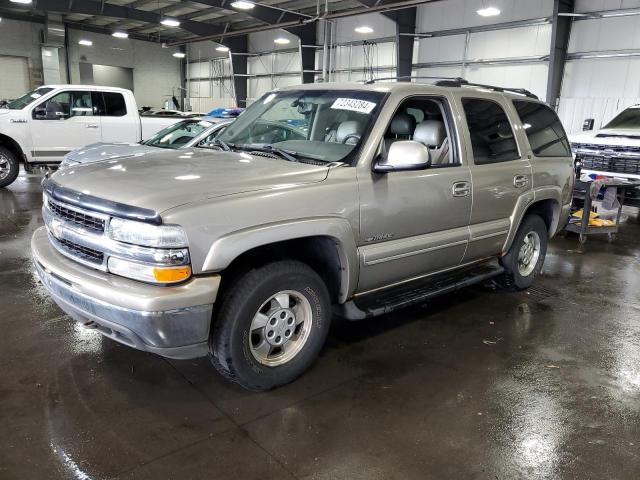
x,y
353,104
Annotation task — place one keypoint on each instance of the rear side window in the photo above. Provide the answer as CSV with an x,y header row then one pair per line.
x,y
491,134
543,128
109,104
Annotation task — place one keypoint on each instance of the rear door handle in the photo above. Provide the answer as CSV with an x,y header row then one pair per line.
x,y
461,189
520,181
92,125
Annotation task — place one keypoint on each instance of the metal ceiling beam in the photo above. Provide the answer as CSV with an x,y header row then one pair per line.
x,y
101,8
260,12
560,32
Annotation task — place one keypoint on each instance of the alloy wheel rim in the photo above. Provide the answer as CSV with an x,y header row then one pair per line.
x,y
280,328
5,167
529,254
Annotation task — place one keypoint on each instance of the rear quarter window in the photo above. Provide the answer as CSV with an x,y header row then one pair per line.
x,y
491,134
543,128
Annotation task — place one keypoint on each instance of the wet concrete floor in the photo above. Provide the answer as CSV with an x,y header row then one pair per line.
x,y
476,385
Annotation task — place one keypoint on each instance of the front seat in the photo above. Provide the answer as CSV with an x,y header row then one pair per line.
x,y
401,128
433,134
349,132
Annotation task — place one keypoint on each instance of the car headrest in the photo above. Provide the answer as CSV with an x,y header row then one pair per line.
x,y
430,133
349,127
403,124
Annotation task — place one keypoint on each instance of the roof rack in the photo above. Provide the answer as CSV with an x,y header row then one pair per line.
x,y
409,77
461,82
458,82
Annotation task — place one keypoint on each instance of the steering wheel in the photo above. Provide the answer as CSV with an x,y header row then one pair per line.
x,y
351,135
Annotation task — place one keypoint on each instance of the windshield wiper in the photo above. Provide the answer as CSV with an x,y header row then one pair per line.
x,y
261,147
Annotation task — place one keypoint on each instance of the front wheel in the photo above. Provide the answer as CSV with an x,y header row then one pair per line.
x,y
271,325
9,167
525,258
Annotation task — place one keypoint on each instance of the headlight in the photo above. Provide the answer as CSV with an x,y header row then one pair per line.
x,y
148,273
139,233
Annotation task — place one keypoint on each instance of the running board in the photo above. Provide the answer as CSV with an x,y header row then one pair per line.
x,y
382,302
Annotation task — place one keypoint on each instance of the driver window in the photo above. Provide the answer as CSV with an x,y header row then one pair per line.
x,y
64,106
423,120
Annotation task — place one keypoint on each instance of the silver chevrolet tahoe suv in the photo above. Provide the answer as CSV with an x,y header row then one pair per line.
x,y
323,200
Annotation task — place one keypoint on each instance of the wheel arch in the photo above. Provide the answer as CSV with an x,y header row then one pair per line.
x,y
547,206
13,146
326,245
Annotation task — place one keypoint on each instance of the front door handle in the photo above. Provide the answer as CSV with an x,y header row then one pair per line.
x,y
461,189
520,181
92,125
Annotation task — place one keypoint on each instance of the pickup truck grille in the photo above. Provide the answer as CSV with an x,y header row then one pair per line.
x,y
81,252
605,158
77,218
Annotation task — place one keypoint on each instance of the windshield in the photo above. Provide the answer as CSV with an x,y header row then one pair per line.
x,y
322,125
178,134
629,118
20,103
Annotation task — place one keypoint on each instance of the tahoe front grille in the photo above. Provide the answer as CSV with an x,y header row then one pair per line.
x,y
75,217
82,252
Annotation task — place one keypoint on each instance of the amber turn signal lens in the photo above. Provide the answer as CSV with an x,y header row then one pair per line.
x,y
171,274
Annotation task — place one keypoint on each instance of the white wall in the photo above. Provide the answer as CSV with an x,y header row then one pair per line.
x,y
156,73
22,39
600,87
207,77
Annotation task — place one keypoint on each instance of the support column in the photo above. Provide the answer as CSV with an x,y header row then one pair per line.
x,y
405,24
238,67
307,35
561,29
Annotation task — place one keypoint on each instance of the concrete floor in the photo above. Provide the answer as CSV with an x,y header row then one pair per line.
x,y
477,385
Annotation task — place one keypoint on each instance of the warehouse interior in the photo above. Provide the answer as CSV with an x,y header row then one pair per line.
x,y
539,383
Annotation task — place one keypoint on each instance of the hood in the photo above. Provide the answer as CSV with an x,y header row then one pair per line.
x,y
609,136
107,151
160,181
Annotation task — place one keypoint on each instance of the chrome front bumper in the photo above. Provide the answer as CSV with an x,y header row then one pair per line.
x,y
170,321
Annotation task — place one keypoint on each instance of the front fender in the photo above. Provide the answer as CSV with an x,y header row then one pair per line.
x,y
229,247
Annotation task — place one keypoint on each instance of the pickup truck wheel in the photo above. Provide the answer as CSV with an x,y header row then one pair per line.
x,y
525,258
271,325
9,167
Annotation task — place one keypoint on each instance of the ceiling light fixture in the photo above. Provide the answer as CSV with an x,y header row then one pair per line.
x,y
170,22
242,5
364,29
282,41
489,12
120,34
86,43
21,1
222,48
179,54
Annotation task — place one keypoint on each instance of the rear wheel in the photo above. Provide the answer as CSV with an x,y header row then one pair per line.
x,y
271,325
9,167
525,258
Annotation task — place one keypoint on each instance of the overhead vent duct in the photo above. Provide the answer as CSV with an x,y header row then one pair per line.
x,y
53,34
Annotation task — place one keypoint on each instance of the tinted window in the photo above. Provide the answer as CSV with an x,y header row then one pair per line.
x,y
114,105
543,128
629,118
491,133
65,105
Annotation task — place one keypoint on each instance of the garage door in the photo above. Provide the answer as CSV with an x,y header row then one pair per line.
x,y
14,81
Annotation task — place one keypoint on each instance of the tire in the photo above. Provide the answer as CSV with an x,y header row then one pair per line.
x,y
9,167
517,275
248,356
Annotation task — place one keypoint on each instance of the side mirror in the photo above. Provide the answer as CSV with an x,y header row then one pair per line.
x,y
404,155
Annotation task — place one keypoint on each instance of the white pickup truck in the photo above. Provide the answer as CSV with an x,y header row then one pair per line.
x,y
41,127
612,151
